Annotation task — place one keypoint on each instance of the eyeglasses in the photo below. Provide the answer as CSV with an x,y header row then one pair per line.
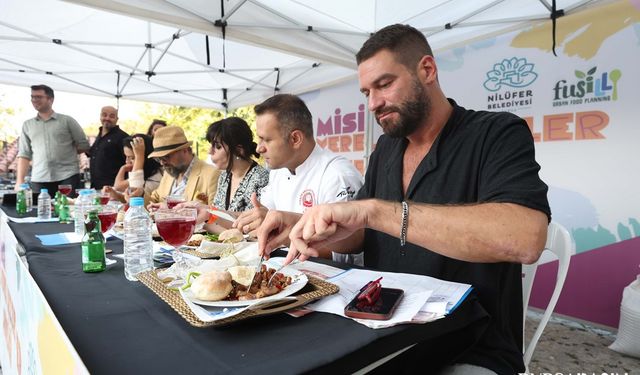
x,y
165,158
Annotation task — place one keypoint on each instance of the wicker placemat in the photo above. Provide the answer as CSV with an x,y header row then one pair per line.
x,y
315,289
200,254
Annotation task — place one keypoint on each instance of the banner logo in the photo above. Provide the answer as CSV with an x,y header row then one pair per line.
x,y
589,87
507,75
514,72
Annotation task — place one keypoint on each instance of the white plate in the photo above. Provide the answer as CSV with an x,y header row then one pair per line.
x,y
299,280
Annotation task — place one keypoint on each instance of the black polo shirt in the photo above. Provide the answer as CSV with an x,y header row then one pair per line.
x,y
478,157
106,157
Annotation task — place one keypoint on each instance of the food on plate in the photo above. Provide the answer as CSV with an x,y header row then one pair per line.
x,y
242,274
212,286
260,287
211,237
232,235
219,285
195,240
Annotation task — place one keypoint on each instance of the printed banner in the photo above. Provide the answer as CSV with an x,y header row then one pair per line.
x,y
582,110
32,340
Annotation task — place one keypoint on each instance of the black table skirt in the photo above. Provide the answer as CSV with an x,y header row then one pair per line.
x,y
121,327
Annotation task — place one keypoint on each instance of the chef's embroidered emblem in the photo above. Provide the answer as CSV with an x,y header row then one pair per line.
x,y
307,198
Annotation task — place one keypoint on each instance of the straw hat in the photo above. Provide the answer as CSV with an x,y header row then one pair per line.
x,y
168,140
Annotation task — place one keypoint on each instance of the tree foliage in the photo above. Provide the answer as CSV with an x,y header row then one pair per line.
x,y
7,115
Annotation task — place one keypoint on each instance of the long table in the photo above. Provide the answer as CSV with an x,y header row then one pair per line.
x,y
121,327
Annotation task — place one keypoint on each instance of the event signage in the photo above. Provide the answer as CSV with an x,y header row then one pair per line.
x,y
590,87
581,113
506,82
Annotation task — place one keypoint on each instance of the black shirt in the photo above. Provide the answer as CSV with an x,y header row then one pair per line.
x,y
106,157
478,157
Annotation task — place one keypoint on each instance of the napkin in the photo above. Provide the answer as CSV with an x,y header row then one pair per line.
x,y
62,238
32,220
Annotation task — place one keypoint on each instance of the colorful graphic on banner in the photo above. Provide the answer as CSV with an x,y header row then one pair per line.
x,y
582,113
586,89
340,126
579,108
32,340
583,116
503,82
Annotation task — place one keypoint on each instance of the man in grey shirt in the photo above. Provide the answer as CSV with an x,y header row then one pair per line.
x,y
51,141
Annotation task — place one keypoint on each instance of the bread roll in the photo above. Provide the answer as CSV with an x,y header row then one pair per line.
x,y
231,235
212,286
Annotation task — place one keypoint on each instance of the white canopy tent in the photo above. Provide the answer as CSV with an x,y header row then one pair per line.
x,y
155,50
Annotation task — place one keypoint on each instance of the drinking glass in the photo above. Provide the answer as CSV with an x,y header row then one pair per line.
x,y
174,200
176,226
104,198
65,189
107,215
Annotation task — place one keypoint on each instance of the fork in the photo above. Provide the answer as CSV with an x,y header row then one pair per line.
x,y
281,267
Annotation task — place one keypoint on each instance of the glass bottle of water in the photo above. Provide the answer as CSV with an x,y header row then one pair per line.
x,y
44,205
138,248
82,202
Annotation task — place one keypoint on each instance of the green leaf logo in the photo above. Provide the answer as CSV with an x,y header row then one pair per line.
x,y
592,70
580,74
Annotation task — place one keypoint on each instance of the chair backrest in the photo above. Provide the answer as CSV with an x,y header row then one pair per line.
x,y
560,243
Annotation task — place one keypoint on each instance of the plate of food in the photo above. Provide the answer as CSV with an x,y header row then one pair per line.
x,y
228,288
214,245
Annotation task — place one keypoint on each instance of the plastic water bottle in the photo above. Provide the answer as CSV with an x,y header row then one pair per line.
x,y
84,200
28,195
138,248
44,205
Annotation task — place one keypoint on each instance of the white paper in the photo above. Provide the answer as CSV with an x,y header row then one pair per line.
x,y
350,283
425,298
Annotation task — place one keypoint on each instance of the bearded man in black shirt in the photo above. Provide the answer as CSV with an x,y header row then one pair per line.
x,y
460,188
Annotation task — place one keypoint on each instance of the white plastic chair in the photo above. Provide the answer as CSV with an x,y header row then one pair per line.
x,y
559,242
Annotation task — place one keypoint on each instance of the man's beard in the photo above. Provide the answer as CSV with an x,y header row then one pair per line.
x,y
411,113
176,171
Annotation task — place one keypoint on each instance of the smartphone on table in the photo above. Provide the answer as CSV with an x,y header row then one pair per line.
x,y
381,309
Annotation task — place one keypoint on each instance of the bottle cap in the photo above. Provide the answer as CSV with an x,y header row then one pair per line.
x,y
44,190
136,201
24,186
85,192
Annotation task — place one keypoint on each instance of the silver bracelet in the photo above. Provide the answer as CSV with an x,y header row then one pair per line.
x,y
405,223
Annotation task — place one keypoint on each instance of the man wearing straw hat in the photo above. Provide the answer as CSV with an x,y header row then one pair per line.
x,y
185,174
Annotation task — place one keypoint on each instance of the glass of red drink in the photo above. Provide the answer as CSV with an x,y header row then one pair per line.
x,y
176,226
104,198
65,189
174,200
108,216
